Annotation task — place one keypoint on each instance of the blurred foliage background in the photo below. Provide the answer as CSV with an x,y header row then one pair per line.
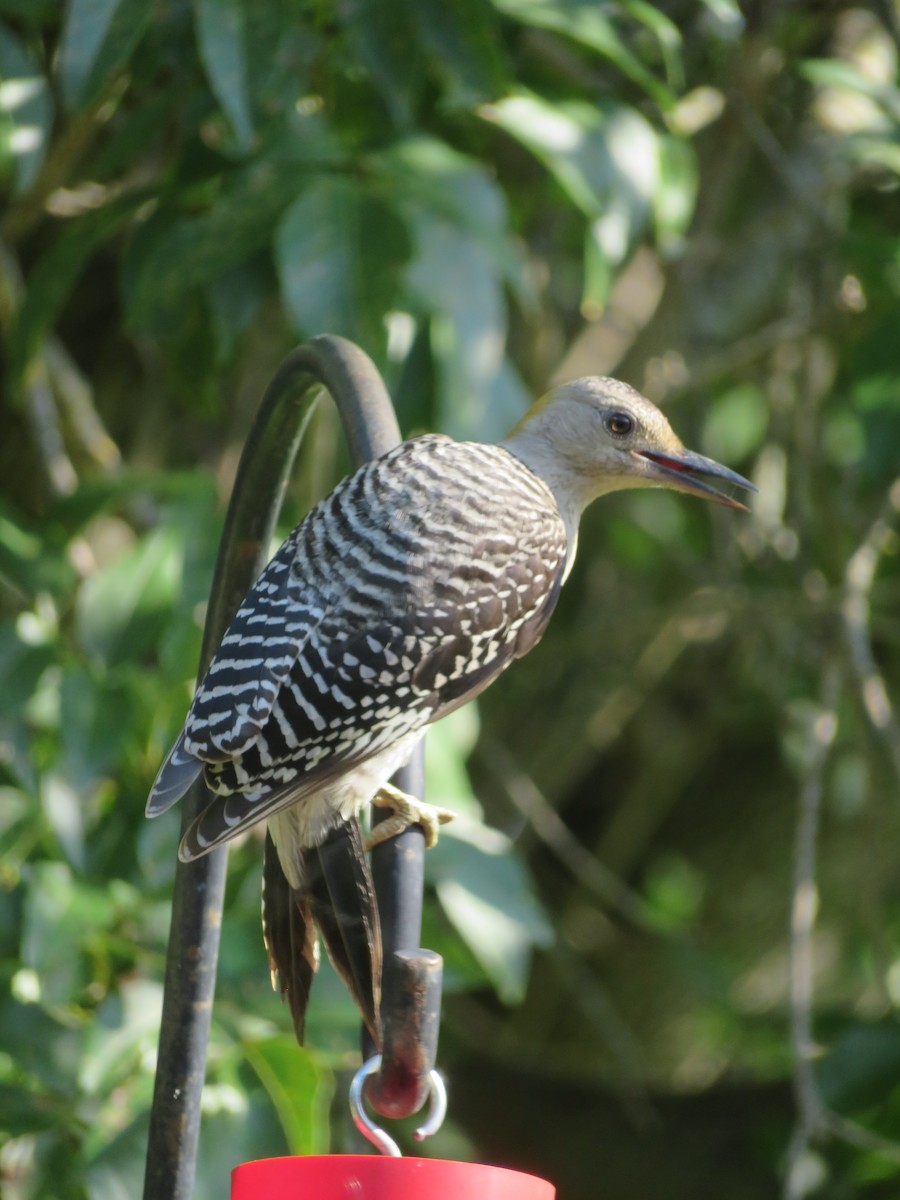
x,y
672,961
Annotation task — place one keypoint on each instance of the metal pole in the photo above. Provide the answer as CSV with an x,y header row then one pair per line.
x,y
371,430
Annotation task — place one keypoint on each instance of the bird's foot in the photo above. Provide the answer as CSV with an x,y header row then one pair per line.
x,y
407,811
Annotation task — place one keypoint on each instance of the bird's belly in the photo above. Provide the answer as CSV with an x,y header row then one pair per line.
x,y
311,819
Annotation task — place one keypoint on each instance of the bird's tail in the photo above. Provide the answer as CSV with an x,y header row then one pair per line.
x,y
337,897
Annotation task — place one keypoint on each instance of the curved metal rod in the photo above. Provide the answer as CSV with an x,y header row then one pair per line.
x,y
371,430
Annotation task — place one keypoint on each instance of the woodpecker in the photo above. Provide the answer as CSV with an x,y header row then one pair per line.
x,y
400,596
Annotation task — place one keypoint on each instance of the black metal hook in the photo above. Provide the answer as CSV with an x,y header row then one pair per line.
x,y
370,426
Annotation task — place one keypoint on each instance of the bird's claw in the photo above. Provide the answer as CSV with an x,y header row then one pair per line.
x,y
407,811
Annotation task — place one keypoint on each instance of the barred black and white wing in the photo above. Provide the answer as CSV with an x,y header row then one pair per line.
x,y
401,596
234,701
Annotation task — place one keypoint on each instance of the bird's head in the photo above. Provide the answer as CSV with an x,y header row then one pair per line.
x,y
598,435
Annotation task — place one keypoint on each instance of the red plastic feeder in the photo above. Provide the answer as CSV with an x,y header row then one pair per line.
x,y
367,1177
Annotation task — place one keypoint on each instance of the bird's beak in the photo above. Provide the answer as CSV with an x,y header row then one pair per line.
x,y
681,469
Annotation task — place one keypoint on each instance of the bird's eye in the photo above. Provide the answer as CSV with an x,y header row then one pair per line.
x,y
619,424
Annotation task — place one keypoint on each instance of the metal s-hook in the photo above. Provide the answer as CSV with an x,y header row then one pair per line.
x,y
437,1109
399,1081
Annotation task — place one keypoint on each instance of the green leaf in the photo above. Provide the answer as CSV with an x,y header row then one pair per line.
x,y
844,439
14,806
238,1125
588,23
173,255
280,51
87,24
117,1175
333,1019
452,279
449,744
600,154
235,298
23,659
465,45
95,718
736,424
53,278
843,76
299,1087
184,491
381,39
673,891
728,12
62,807
339,251
121,1036
431,181
462,970
24,1110
862,1064
605,158
676,195
20,555
463,256
99,36
220,38
26,112
598,274
666,33
47,1053
122,609
487,894
22,665
32,11
60,914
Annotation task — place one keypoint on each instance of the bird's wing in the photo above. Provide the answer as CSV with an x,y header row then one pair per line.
x,y
254,658
175,776
378,693
234,699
